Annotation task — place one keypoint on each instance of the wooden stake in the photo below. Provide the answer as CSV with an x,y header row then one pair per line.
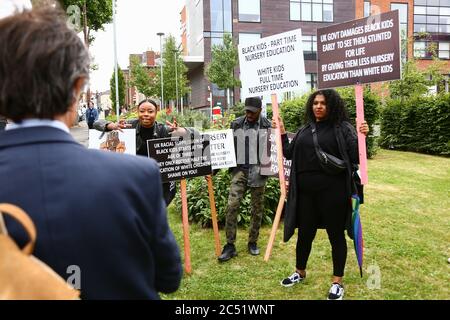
x,y
187,246
212,204
361,137
277,218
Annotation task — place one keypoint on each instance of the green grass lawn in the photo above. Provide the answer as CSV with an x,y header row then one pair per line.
x,y
405,220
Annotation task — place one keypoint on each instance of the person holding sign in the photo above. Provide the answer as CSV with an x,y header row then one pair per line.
x,y
147,128
250,133
318,193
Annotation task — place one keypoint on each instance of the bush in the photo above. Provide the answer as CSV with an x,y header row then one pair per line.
x,y
293,113
190,118
420,124
198,200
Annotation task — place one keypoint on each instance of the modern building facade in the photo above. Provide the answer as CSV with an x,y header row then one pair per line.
x,y
204,23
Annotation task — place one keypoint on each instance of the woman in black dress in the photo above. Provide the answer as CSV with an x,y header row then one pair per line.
x,y
318,199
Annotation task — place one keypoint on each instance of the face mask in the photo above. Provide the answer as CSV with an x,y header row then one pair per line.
x,y
10,7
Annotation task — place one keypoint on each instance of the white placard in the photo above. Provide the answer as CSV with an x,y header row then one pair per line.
x,y
221,144
272,65
120,142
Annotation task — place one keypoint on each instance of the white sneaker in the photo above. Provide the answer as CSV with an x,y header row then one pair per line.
x,y
292,279
336,292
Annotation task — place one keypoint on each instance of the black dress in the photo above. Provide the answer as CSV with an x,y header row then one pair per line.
x,y
327,193
322,197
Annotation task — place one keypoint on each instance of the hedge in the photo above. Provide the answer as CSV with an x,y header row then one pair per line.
x,y
421,124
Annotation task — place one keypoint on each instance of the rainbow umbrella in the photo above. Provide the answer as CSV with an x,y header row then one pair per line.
x,y
357,232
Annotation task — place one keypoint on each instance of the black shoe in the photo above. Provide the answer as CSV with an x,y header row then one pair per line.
x,y
253,248
228,252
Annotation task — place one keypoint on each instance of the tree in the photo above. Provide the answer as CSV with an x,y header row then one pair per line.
x,y
142,79
93,15
220,71
112,83
415,82
173,77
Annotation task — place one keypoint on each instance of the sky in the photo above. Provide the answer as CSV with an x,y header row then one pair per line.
x,y
138,22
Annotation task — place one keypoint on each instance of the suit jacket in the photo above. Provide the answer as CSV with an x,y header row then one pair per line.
x,y
92,210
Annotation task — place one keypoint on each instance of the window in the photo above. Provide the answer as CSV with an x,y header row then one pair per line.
x,y
444,50
248,37
221,21
420,49
309,47
403,19
311,80
249,10
311,10
366,8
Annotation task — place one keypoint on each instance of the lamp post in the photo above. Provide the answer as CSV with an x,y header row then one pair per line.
x,y
176,77
116,75
161,34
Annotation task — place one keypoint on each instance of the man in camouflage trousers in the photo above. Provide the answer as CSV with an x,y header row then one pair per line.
x,y
250,136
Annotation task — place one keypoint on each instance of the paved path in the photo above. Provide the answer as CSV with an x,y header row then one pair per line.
x,y
80,133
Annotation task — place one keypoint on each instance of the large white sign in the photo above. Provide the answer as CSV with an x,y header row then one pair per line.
x,y
221,144
272,65
113,141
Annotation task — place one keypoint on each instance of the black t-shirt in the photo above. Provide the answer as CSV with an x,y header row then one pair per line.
x,y
310,174
145,134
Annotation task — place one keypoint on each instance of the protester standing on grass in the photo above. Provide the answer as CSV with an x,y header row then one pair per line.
x,y
317,199
250,132
147,128
90,208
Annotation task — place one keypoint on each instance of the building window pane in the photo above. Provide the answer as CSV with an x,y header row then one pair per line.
x,y
317,12
420,2
227,16
419,49
420,19
306,11
327,12
432,19
432,28
420,28
216,15
444,28
249,10
445,3
432,10
366,8
433,2
402,11
445,11
295,11
420,10
248,37
444,50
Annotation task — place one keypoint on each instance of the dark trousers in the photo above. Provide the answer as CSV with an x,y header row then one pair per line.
x,y
90,125
326,209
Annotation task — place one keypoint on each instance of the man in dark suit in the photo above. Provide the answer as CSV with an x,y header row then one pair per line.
x,y
101,214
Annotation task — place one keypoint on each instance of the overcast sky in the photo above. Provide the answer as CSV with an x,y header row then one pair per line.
x,y
138,21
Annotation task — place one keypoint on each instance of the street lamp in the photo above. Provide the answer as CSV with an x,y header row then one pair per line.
x,y
161,34
116,72
176,77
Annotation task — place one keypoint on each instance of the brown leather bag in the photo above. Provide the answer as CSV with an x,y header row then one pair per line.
x,y
22,276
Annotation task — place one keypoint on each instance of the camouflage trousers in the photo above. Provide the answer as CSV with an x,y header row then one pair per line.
x,y
237,191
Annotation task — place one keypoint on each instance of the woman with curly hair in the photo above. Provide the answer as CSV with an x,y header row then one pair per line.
x,y
319,199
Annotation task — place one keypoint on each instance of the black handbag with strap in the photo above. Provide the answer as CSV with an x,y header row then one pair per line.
x,y
329,163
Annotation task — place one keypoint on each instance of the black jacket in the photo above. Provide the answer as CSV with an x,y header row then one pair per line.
x,y
347,140
169,188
